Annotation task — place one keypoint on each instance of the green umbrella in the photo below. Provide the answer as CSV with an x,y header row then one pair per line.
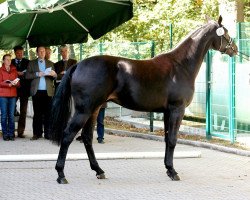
x,y
55,22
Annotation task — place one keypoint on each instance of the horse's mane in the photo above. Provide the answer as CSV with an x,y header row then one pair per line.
x,y
195,33
186,44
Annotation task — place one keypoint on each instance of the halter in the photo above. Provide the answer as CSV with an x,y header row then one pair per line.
x,y
220,32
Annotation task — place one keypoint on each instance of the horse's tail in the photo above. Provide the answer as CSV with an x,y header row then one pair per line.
x,y
60,111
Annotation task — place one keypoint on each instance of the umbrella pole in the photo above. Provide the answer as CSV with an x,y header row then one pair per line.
x,y
27,47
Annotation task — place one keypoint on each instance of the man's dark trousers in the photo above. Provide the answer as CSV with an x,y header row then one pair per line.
x,y
42,108
23,113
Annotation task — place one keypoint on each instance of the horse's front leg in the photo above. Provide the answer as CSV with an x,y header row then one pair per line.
x,y
173,121
87,138
75,124
166,125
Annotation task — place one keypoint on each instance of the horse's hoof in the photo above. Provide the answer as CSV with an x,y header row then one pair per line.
x,y
173,176
101,176
62,180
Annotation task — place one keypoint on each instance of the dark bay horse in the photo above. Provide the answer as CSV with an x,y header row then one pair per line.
x,y
162,84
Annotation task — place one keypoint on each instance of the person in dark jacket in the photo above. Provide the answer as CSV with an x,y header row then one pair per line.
x,y
8,83
23,92
63,65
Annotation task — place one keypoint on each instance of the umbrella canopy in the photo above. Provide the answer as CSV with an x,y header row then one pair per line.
x,y
55,22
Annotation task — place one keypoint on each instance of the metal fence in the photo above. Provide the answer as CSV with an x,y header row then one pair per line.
x,y
226,89
134,50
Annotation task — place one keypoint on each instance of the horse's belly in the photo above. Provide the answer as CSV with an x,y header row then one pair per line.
x,y
140,107
148,103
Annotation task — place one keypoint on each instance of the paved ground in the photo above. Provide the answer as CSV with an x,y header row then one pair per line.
x,y
216,175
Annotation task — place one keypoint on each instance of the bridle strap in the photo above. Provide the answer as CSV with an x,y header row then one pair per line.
x,y
228,46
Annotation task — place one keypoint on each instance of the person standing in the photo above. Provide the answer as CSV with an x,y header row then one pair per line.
x,y
48,52
42,75
63,65
23,92
8,93
100,124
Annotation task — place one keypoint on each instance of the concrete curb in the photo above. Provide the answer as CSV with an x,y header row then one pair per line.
x,y
99,156
180,141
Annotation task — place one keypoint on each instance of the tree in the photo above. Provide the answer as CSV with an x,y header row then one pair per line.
x,y
247,10
152,18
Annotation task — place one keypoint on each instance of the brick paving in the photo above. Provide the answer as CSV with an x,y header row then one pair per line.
x,y
216,175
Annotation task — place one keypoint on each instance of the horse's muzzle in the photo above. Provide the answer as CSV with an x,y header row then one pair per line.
x,y
232,50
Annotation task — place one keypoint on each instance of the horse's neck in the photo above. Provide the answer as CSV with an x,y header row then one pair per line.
x,y
191,52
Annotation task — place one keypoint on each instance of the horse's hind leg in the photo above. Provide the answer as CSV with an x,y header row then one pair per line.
x,y
174,121
75,124
87,137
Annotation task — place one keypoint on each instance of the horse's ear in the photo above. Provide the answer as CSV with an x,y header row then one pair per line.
x,y
220,20
208,18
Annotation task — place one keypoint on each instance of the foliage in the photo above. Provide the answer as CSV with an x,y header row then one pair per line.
x,y
151,23
152,18
247,11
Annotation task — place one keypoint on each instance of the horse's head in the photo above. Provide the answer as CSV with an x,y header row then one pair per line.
x,y
223,42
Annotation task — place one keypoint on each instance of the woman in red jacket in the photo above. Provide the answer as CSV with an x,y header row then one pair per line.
x,y
8,93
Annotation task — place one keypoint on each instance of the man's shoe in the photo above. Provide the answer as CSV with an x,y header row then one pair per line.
x,y
46,137
35,137
21,136
101,141
11,138
16,113
6,138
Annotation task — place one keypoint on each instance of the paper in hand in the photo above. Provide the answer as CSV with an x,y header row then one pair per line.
x,y
47,71
15,81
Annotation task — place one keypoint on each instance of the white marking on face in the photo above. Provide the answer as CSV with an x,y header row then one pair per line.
x,y
220,31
